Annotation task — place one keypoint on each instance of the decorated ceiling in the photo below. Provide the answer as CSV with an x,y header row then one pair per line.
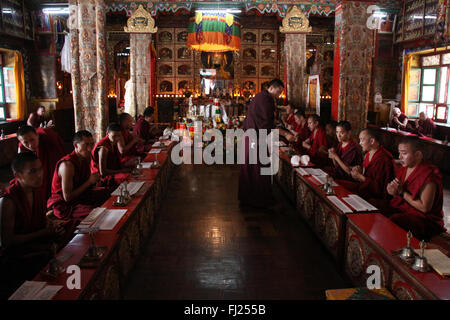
x,y
311,7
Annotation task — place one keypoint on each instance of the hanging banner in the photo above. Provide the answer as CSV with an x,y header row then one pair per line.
x,y
313,98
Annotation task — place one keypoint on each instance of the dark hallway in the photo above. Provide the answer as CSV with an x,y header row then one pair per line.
x,y
206,247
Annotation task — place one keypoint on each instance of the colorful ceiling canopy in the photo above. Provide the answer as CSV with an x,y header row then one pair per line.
x,y
214,32
309,7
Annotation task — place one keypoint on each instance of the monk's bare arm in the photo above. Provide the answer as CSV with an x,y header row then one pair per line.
x,y
124,148
426,199
31,119
103,168
341,164
66,171
7,215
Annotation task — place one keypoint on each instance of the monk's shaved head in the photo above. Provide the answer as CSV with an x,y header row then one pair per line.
x,y
124,116
114,127
372,133
23,130
21,160
78,136
412,142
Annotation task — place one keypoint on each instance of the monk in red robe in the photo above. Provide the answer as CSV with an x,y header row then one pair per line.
x,y
47,145
130,147
288,121
145,129
418,193
106,158
425,126
37,119
330,130
26,237
347,153
377,171
255,189
316,145
74,194
301,131
399,119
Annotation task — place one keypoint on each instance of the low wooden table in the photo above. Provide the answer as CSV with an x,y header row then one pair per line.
x,y
370,240
123,243
8,149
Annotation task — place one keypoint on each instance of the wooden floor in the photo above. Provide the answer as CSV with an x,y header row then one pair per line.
x,y
205,247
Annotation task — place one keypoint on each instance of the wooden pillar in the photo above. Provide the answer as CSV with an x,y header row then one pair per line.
x,y
140,25
295,52
295,26
353,63
87,30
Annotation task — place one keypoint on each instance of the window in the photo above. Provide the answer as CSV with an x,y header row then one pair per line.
x,y
429,89
2,96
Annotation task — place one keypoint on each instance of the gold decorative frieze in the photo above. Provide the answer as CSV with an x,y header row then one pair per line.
x,y
295,22
141,21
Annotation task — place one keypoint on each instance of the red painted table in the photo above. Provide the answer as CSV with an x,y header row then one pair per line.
x,y
123,243
370,240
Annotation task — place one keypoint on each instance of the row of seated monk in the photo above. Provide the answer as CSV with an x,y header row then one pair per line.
x,y
410,193
422,126
53,191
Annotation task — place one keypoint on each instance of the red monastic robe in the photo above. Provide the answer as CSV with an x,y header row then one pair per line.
x,y
401,118
112,163
28,218
317,140
142,129
304,134
427,128
422,225
22,262
290,120
378,172
350,155
78,208
131,153
51,149
256,189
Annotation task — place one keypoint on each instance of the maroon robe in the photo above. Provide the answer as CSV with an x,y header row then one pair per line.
x,y
35,120
290,120
134,152
426,128
256,189
378,173
22,262
142,129
317,140
51,149
422,225
112,163
304,134
350,155
80,207
400,118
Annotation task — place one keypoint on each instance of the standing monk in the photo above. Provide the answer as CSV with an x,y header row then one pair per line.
x,y
106,158
25,236
130,147
377,171
417,191
73,192
255,189
47,145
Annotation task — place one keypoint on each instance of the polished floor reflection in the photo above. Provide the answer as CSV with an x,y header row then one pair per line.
x,y
205,247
